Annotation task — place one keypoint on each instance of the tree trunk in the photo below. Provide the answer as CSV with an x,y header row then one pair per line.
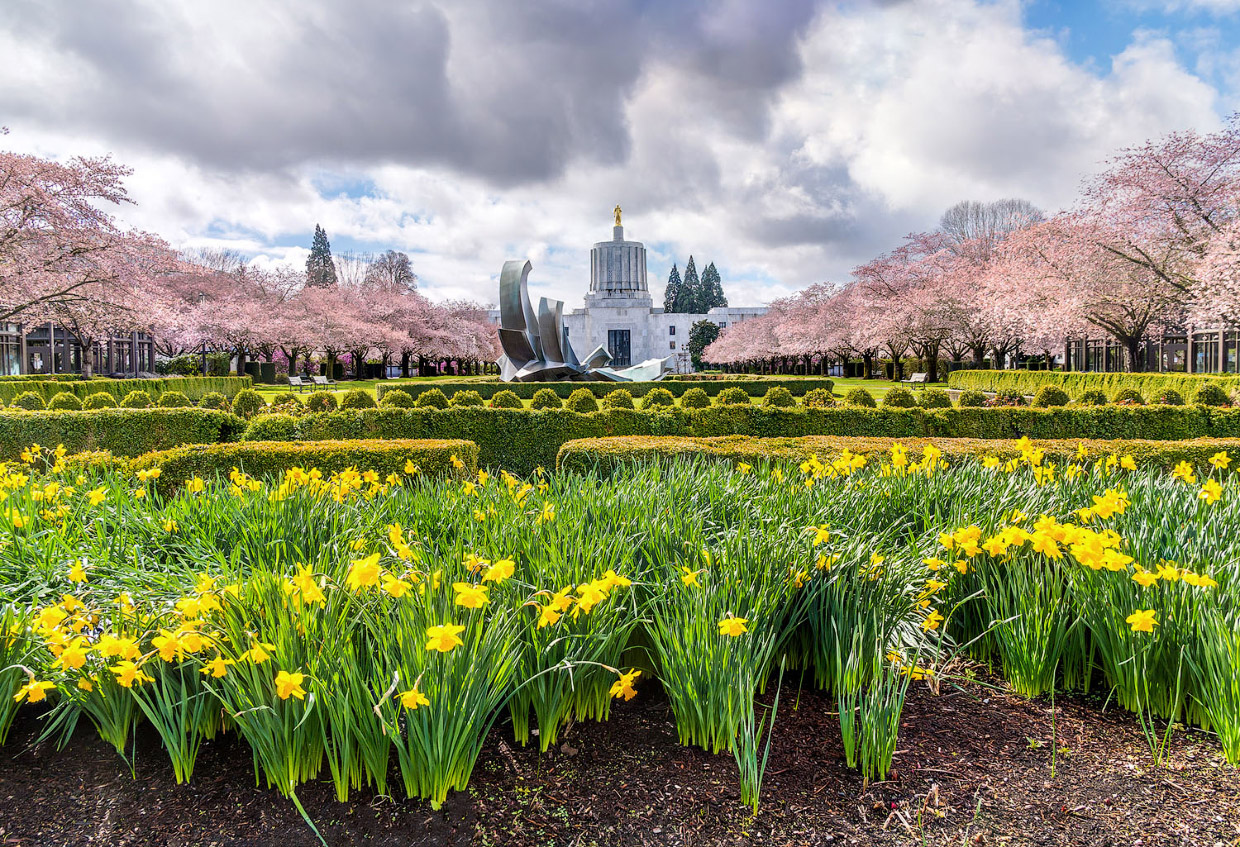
x,y
867,366
88,360
241,361
1135,362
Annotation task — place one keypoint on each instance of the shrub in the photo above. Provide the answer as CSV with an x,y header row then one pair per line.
x,y
247,403
489,387
510,400
215,400
1092,397
137,400
1211,395
778,397
47,388
357,398
618,398
321,401
899,398
1050,395
545,398
29,401
123,432
733,396
971,399
431,399
1128,397
270,458
818,398
658,398
288,403
1149,384
395,400
65,402
173,400
1169,397
1007,397
859,397
934,398
694,398
466,397
582,400
99,400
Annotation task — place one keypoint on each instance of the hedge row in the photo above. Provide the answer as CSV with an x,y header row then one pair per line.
x,y
1150,385
522,439
526,390
432,456
193,387
605,455
123,432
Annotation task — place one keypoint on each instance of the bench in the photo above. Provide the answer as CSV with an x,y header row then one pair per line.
x,y
918,379
298,384
322,380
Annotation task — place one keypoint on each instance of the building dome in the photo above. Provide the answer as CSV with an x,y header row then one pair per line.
x,y
618,267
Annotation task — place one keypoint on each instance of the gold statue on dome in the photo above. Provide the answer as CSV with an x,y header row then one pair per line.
x,y
616,212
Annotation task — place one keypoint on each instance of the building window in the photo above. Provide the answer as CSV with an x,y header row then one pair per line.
x,y
618,346
671,330
673,345
723,324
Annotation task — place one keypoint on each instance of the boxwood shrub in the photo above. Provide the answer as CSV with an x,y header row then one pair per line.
x,y
660,398
859,397
215,400
818,398
617,398
1028,382
545,398
582,400
1092,397
934,398
1050,395
137,399
604,456
124,432
505,400
899,398
193,387
753,386
1169,397
694,398
247,403
466,397
1128,396
732,396
99,400
355,398
174,400
433,458
1211,394
30,401
66,402
432,399
321,401
778,397
970,398
396,400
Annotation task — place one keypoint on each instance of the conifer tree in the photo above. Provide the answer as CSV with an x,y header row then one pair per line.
x,y
672,291
688,298
712,289
320,269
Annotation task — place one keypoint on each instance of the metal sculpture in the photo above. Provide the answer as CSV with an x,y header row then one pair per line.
x,y
536,345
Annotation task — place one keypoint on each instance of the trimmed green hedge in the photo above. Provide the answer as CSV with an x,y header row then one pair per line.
x,y
526,390
606,455
123,432
193,387
522,439
432,456
1028,382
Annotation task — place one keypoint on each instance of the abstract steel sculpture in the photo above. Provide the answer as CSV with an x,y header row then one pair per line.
x,y
536,346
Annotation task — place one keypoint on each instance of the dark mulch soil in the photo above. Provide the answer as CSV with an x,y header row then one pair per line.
x,y
973,767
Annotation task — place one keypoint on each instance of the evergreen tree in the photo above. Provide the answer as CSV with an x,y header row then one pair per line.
x,y
672,291
320,269
712,289
688,298
701,335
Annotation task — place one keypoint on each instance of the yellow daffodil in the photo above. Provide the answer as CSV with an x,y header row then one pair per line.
x,y
623,687
690,577
33,691
733,626
1211,491
290,685
500,571
413,698
128,674
470,596
443,638
931,621
216,668
363,573
1220,460
1142,620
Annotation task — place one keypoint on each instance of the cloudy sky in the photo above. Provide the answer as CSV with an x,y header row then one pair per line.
x,y
786,140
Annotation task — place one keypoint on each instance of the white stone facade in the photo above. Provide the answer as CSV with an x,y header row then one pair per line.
x,y
620,313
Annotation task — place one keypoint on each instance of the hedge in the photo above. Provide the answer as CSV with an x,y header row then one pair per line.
x,y
522,439
1028,382
123,432
526,390
604,456
193,387
432,456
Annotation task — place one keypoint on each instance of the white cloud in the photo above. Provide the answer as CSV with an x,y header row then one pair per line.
x,y
785,167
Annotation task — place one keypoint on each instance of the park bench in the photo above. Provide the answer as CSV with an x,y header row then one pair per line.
x,y
296,383
918,379
322,380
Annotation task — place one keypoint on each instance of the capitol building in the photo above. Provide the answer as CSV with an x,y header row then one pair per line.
x,y
620,315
